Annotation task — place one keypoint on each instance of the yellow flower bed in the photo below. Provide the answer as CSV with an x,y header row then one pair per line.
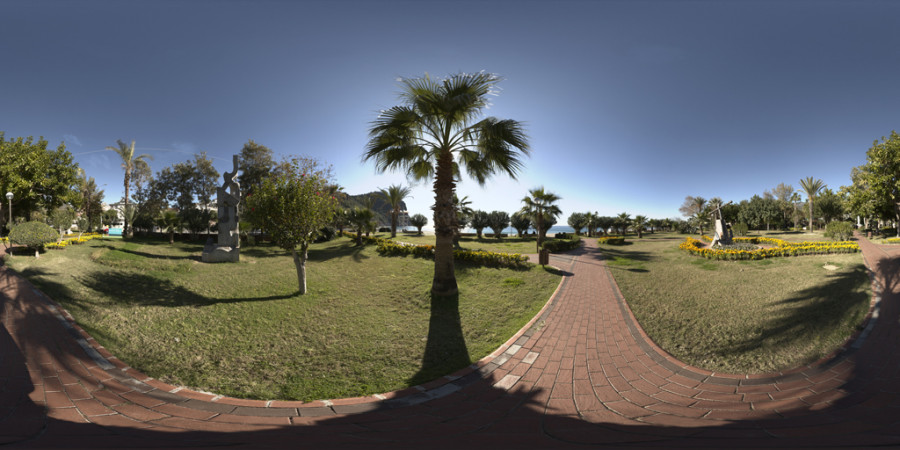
x,y
611,240
892,240
782,248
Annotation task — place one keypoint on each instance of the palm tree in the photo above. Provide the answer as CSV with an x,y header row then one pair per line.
x,y
394,196
418,221
463,213
432,135
639,223
539,205
168,220
623,220
129,163
361,218
812,187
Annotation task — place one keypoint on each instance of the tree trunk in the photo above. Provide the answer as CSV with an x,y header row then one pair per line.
x,y
300,264
540,231
444,283
478,230
394,218
125,219
172,237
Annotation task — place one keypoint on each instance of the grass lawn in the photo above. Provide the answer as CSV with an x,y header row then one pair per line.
x,y
741,316
367,324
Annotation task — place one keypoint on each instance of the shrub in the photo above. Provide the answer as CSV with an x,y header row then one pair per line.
x,y
490,259
33,235
839,231
740,229
562,244
611,240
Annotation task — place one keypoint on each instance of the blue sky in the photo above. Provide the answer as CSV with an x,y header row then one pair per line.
x,y
630,106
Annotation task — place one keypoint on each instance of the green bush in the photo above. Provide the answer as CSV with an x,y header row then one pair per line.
x,y
611,240
839,231
740,229
490,259
33,235
562,245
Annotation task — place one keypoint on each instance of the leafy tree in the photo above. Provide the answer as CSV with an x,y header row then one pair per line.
x,y
860,197
591,222
432,135
740,229
169,221
83,224
759,211
294,207
638,224
61,219
578,221
549,222
540,205
186,184
783,194
394,196
480,220
499,220
418,221
340,220
129,212
38,177
195,220
91,199
256,163
882,175
33,235
812,187
830,205
129,162
110,217
520,222
605,223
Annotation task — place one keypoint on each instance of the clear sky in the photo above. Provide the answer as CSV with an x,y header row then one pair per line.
x,y
629,105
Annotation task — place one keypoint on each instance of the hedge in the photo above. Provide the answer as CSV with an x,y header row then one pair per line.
x,y
491,259
611,240
562,245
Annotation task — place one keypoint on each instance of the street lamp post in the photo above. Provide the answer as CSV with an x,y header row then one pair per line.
x,y
9,196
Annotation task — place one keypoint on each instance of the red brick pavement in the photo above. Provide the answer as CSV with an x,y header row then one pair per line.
x,y
583,373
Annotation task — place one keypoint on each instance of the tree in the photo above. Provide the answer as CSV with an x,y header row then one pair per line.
x,y
638,225
759,211
830,205
91,199
578,221
293,206
812,187
418,221
38,177
360,218
520,222
498,220
195,219
33,235
186,184
605,223
783,195
256,163
394,196
882,175
591,222
860,196
61,219
463,214
540,205
129,162
435,132
839,231
110,217
695,207
83,224
479,221
623,220
169,221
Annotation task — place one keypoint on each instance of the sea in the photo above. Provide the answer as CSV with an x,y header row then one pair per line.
x,y
511,231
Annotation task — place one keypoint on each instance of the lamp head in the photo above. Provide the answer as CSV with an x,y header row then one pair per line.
x,y
9,196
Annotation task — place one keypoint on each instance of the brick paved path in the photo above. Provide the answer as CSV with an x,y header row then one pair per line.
x,y
583,374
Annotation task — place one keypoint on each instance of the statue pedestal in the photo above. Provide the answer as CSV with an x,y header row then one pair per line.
x,y
213,253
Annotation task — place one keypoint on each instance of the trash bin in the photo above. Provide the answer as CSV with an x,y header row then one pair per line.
x,y
544,257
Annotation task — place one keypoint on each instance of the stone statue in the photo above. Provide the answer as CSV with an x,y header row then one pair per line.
x,y
723,231
228,246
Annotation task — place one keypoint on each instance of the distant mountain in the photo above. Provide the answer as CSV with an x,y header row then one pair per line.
x,y
381,207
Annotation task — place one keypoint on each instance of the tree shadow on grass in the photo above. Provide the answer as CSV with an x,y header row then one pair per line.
x,y
191,256
140,289
810,310
445,348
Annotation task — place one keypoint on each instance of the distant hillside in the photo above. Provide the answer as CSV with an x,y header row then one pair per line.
x,y
381,207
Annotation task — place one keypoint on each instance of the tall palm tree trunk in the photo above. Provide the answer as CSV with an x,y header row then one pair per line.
x,y
810,214
540,231
394,216
444,227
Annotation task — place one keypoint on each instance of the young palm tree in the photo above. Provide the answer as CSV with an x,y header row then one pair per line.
x,y
434,133
361,218
463,213
812,187
168,220
623,220
638,223
394,195
418,221
129,163
540,205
